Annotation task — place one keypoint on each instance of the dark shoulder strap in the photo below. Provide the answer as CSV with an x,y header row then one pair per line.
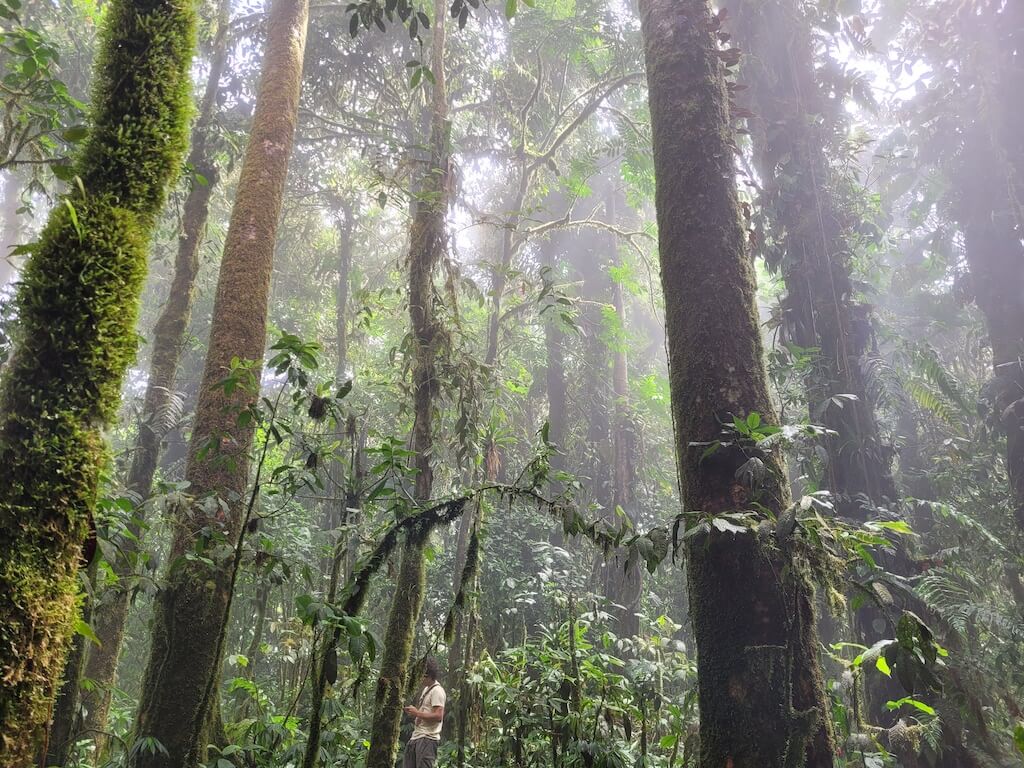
x,y
423,696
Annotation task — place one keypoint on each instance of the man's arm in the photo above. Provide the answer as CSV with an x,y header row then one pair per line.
x,y
433,715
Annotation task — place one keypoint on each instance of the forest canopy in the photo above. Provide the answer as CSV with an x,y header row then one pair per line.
x,y
512,383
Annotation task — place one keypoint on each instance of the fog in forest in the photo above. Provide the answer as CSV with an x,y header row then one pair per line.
x,y
512,383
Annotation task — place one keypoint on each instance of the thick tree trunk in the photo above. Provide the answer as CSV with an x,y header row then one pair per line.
x,y
111,612
761,693
179,685
427,240
77,305
820,309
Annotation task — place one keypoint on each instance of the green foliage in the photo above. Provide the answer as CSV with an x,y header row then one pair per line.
x,y
42,119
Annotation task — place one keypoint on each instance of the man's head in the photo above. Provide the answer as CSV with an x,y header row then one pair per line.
x,y
431,672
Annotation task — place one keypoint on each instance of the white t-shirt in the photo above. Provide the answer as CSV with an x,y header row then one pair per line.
x,y
433,696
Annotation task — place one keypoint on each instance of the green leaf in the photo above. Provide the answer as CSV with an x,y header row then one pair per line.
x,y
74,218
75,133
1018,737
62,171
883,666
891,705
511,6
82,628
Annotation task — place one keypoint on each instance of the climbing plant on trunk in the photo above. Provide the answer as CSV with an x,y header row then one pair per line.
x,y
761,694
427,239
77,306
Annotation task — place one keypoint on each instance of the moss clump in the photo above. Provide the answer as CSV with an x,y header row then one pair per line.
x,y
77,307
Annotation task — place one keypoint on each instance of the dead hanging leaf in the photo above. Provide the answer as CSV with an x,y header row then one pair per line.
x,y
331,666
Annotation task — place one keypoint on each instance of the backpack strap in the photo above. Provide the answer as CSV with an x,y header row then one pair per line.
x,y
423,696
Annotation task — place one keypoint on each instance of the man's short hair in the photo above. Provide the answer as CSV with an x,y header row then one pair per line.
x,y
431,669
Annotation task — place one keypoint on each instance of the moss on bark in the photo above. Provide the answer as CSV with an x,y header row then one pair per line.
x,y
427,239
761,693
77,306
791,134
111,612
179,685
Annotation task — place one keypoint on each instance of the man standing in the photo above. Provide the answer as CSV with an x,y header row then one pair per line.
x,y
421,751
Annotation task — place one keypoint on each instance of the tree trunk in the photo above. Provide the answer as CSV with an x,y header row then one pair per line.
x,y
64,725
790,142
760,689
111,612
179,684
820,309
624,585
427,240
77,305
325,657
10,233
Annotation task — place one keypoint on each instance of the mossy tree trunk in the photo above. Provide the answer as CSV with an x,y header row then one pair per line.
x,y
77,306
761,694
111,611
426,247
65,723
791,132
180,681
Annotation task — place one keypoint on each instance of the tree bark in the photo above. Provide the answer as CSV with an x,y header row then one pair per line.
x,y
77,305
111,612
426,247
64,725
760,689
790,133
179,684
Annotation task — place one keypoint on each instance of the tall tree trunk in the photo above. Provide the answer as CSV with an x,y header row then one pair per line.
x,y
179,684
625,579
111,611
790,138
557,391
761,694
820,309
77,305
427,240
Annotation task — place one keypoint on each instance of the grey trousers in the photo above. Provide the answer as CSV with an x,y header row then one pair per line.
x,y
420,753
